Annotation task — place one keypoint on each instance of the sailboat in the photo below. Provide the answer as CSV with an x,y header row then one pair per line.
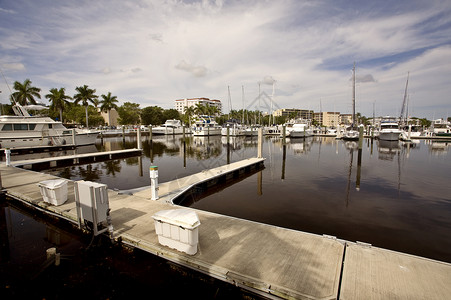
x,y
351,134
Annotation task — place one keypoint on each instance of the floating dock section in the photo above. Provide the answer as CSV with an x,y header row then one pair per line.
x,y
272,261
76,159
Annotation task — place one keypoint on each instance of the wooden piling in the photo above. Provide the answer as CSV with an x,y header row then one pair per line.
x,y
139,144
260,143
360,137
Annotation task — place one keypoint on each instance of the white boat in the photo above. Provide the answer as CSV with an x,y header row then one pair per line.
x,y
251,130
273,130
412,131
441,127
299,129
25,131
389,130
205,126
232,129
171,126
350,134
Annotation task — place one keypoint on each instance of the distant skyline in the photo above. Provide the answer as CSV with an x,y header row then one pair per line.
x,y
153,52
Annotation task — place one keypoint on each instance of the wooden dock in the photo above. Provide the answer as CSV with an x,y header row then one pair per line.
x,y
76,159
273,261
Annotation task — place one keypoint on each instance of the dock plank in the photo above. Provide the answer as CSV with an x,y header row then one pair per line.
x,y
375,273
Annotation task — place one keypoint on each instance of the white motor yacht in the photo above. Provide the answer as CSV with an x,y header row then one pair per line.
x,y
205,126
299,130
171,126
389,131
25,131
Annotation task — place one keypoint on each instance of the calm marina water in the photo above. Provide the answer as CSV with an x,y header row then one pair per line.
x,y
392,195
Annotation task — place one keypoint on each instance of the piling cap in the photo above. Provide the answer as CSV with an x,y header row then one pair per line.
x,y
153,168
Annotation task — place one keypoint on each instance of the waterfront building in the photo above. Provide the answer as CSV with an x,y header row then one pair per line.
x,y
294,112
182,104
346,119
327,118
110,117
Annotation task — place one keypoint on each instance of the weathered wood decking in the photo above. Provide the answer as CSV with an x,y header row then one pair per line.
x,y
269,259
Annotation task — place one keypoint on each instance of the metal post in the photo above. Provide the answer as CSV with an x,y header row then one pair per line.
x,y
150,132
153,170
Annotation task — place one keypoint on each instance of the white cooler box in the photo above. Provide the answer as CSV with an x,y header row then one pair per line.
x,y
178,229
54,191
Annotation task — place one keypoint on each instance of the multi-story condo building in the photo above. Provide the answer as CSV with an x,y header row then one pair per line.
x,y
182,104
346,119
327,118
297,113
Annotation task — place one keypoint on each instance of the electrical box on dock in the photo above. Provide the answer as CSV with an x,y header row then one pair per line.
x,y
93,200
178,229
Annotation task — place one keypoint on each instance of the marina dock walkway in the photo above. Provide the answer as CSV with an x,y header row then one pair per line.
x,y
273,261
56,161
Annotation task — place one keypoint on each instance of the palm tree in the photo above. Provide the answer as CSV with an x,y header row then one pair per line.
x,y
200,109
108,103
189,111
25,93
59,100
84,95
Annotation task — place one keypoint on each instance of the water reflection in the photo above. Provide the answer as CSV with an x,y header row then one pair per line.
x,y
388,149
391,194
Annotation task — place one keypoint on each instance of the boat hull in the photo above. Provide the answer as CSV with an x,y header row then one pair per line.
x,y
300,134
169,130
207,131
389,135
81,139
233,131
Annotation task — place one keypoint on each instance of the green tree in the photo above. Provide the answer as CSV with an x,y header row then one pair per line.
x,y
25,93
59,100
129,113
170,114
85,95
108,102
152,115
76,113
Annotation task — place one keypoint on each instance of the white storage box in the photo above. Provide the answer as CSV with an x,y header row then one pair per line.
x,y
178,229
54,191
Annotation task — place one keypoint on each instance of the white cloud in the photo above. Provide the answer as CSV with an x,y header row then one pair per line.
x,y
154,52
196,71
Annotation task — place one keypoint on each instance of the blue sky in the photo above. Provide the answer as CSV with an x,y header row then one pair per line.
x,y
153,52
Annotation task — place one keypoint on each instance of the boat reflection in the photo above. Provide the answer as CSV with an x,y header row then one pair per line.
x,y
388,149
438,147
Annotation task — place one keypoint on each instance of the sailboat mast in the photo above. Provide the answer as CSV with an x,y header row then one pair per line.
x,y
242,99
353,96
403,108
230,102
